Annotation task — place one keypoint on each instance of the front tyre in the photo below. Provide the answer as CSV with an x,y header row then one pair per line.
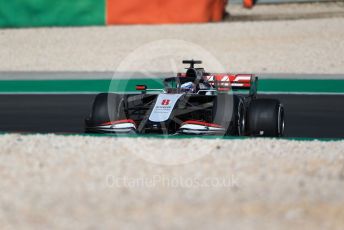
x,y
229,112
107,108
265,118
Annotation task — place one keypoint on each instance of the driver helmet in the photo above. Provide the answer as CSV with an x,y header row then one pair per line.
x,y
188,87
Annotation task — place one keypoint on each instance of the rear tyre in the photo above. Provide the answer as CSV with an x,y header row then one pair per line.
x,y
265,118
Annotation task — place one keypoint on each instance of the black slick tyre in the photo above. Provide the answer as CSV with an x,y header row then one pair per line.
x,y
265,118
107,107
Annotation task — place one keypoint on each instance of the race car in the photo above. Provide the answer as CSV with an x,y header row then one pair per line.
x,y
192,103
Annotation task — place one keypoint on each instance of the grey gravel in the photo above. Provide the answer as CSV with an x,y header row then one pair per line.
x,y
302,46
78,182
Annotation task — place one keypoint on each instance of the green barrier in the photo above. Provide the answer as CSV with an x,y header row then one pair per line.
x,y
301,85
77,86
128,85
34,13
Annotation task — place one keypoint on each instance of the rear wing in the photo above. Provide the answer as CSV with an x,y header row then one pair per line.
x,y
220,82
237,82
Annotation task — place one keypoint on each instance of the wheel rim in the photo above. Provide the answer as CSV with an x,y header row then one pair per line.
x,y
241,120
280,120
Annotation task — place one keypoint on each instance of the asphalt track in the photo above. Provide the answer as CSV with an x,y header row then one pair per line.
x,y
307,116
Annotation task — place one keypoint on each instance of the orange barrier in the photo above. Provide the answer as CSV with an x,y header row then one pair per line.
x,y
248,3
164,11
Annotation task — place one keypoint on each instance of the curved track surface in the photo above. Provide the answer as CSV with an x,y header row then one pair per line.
x,y
309,116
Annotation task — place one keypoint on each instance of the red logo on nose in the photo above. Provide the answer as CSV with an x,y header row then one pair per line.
x,y
165,102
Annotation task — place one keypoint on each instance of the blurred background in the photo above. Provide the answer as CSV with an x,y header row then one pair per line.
x,y
32,13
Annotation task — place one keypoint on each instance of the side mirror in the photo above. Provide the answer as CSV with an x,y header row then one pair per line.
x,y
141,87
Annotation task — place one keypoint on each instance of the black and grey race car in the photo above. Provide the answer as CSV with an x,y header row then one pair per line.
x,y
193,103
